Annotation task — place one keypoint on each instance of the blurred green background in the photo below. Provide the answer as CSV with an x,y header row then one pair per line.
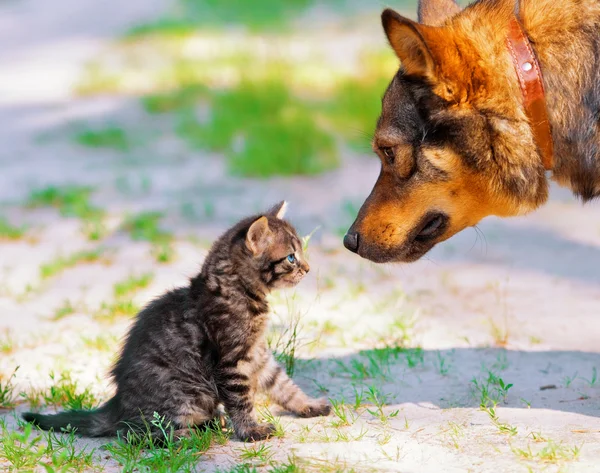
x,y
276,87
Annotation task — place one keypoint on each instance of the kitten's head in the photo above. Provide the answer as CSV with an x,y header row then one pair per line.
x,y
275,249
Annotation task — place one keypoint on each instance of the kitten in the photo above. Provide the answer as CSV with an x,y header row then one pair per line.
x,y
204,344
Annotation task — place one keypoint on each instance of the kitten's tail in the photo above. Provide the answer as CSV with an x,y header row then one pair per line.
x,y
94,423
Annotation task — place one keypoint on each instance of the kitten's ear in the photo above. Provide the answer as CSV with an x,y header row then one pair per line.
x,y
258,236
279,210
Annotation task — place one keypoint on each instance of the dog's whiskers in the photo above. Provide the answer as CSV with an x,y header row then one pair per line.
x,y
479,232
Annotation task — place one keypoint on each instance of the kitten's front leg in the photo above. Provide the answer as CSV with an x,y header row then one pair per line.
x,y
287,394
236,391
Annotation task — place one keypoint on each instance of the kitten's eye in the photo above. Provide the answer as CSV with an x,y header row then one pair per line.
x,y
291,259
389,155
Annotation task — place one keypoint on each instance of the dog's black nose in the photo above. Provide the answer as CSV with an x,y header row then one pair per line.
x,y
351,241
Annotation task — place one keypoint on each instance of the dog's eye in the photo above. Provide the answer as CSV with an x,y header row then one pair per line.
x,y
389,154
291,259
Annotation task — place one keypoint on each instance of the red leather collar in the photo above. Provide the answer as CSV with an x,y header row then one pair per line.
x,y
529,74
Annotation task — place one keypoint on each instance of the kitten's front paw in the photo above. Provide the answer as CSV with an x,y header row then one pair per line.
x,y
316,407
256,432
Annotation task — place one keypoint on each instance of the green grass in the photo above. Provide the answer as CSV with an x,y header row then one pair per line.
x,y
22,451
257,454
285,341
132,284
7,389
7,342
271,116
9,231
30,450
344,416
123,306
265,122
288,467
502,427
112,137
552,452
72,201
257,15
139,452
490,390
355,107
145,226
62,263
63,394
377,363
264,130
102,342
370,364
64,310
66,394
165,27
112,311
34,397
184,97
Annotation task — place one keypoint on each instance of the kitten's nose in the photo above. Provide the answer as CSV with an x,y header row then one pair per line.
x,y
305,267
351,241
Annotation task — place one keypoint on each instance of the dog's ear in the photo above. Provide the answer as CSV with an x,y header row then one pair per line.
x,y
435,12
409,40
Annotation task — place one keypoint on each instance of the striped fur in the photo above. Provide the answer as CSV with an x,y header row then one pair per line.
x,y
202,345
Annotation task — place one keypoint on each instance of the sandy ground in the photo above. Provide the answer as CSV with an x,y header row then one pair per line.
x,y
521,301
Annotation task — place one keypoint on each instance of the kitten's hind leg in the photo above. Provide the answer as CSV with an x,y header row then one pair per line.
x,y
288,395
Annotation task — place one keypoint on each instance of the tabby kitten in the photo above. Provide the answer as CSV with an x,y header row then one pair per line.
x,y
204,344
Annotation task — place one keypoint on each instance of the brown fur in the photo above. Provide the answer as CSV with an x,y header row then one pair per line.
x,y
461,145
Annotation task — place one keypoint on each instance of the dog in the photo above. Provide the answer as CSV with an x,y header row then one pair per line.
x,y
486,101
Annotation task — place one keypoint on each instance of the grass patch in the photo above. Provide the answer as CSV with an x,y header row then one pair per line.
x,y
7,342
9,231
269,114
123,306
110,312
145,226
65,394
355,107
184,97
264,130
72,201
29,450
64,310
284,341
132,284
491,390
377,363
62,263
551,452
140,452
7,389
257,454
258,15
34,397
111,137
105,343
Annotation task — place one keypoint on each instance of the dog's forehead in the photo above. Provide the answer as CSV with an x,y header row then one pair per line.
x,y
399,119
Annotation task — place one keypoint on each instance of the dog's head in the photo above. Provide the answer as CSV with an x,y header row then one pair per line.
x,y
453,141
